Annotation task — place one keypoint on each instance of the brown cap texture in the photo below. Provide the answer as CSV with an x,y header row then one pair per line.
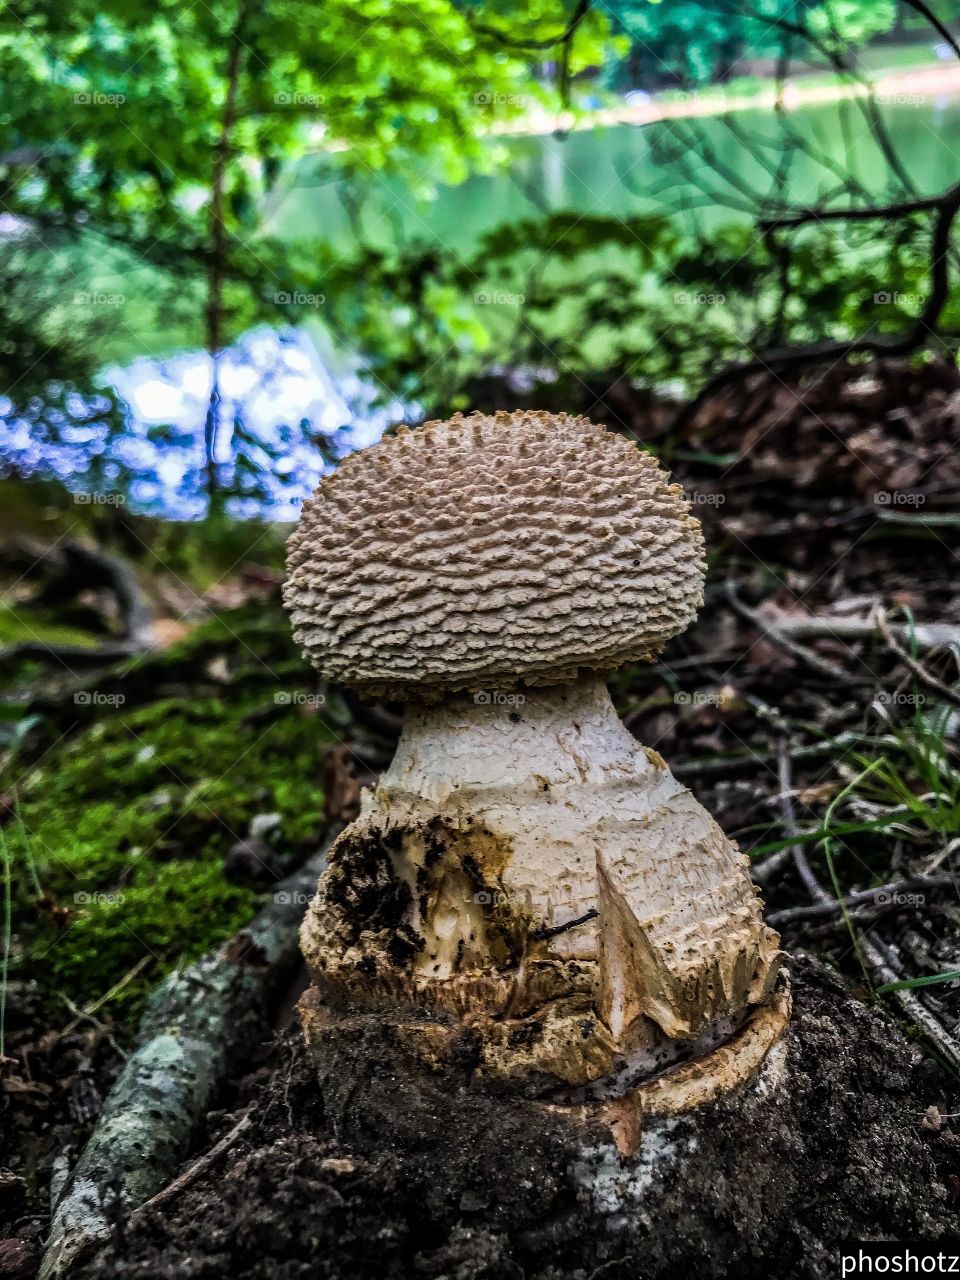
x,y
491,550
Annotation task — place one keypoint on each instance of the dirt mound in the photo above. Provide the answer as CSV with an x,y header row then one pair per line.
x,y
379,1171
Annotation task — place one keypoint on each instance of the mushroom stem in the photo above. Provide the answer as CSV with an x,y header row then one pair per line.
x,y
524,854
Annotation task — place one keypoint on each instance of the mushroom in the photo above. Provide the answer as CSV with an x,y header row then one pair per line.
x,y
525,870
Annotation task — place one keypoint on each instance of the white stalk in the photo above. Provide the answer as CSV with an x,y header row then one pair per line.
x,y
548,812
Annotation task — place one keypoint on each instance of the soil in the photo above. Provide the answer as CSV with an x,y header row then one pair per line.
x,y
377,1170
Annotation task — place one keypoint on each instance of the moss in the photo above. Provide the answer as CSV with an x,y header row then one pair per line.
x,y
26,624
126,826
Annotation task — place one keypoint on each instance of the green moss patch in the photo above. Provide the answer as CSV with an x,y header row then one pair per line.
x,y
120,832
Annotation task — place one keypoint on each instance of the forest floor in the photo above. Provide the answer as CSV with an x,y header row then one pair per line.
x,y
151,801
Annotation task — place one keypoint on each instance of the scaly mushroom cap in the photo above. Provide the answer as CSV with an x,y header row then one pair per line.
x,y
487,551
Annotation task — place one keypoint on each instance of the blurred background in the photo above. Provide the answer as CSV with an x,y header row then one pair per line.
x,y
239,240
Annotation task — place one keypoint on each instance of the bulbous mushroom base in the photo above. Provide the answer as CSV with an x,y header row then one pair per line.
x,y
440,1043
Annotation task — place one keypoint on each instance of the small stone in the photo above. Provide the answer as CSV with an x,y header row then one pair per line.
x,y
932,1119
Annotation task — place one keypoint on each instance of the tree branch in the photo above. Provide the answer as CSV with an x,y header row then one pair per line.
x,y
792,357
218,239
919,7
548,42
789,221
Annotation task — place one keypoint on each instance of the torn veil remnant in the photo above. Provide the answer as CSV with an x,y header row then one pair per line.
x,y
525,869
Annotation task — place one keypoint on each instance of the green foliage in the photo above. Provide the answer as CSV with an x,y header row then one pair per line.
x,y
852,22
692,42
917,783
908,984
344,94
907,786
579,293
370,83
95,171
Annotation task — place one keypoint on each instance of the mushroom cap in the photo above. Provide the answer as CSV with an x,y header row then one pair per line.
x,y
489,551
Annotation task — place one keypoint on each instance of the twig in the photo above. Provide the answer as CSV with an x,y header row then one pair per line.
x,y
127,978
547,42
801,625
785,801
540,935
190,1175
80,1015
910,1004
763,872
945,691
864,897
941,28
801,217
730,766
771,632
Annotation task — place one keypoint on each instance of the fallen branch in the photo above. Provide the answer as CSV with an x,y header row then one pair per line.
x,y
198,1025
71,567
795,626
